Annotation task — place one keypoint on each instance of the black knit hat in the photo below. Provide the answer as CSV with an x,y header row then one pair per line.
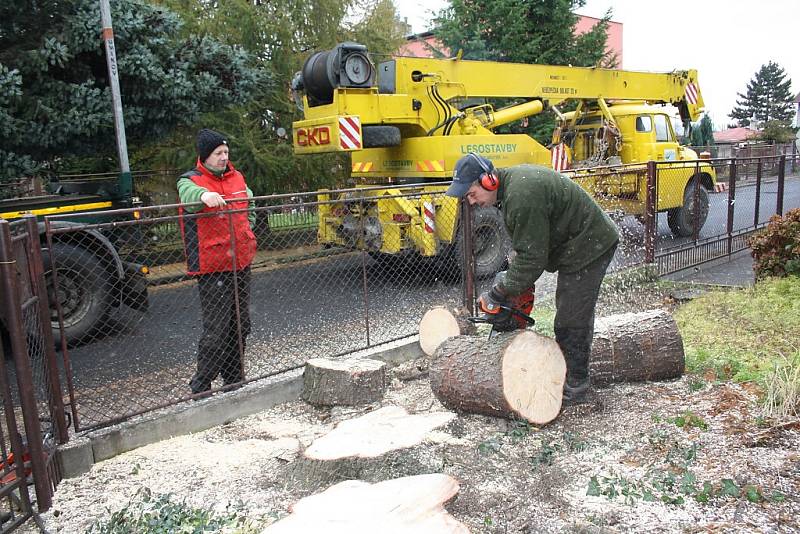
x,y
207,142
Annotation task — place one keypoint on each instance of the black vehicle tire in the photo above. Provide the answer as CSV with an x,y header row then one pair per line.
x,y
380,136
491,243
681,220
83,291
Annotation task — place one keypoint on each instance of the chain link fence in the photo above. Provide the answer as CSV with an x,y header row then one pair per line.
x,y
276,281
291,277
708,208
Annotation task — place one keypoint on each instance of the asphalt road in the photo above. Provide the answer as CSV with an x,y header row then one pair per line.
x,y
311,309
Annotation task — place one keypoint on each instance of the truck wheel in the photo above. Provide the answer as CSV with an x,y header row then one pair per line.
x,y
83,291
681,220
491,243
380,136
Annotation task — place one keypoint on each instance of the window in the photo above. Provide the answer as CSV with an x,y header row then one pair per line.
x,y
644,123
663,132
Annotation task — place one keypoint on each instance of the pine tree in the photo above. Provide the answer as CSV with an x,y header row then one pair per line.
x,y
768,98
703,132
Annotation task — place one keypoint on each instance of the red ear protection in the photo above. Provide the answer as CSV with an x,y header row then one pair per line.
x,y
487,180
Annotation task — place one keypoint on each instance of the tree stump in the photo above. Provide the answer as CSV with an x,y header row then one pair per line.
x,y
519,374
382,444
438,324
404,505
634,347
343,382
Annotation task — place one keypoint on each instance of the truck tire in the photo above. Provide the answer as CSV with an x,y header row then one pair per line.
x,y
380,136
491,243
681,220
83,291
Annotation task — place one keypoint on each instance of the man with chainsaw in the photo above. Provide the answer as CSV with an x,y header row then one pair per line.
x,y
555,226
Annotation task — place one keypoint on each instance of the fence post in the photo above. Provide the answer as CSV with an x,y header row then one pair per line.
x,y
731,201
468,259
696,185
781,184
364,276
19,349
650,214
55,398
758,194
794,156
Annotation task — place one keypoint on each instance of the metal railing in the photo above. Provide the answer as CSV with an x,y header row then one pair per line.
x,y
33,408
715,221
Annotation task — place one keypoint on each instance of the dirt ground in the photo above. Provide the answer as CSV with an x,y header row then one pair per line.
x,y
681,456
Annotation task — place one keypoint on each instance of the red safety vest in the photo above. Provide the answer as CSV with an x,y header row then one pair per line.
x,y
207,239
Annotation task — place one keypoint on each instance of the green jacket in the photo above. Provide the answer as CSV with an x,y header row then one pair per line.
x,y
554,224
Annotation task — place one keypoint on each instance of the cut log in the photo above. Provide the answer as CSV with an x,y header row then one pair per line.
x,y
516,375
404,505
634,347
438,324
382,444
343,382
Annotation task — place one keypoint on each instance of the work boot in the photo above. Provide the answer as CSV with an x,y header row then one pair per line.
x,y
576,391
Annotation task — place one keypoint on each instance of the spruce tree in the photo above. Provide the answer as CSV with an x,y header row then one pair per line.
x,y
55,103
768,98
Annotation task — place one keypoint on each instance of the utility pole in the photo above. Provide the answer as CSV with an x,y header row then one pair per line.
x,y
126,180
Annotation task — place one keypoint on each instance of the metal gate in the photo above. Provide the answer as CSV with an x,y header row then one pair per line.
x,y
33,421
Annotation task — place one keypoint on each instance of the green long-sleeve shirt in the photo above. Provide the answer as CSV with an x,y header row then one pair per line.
x,y
190,193
554,224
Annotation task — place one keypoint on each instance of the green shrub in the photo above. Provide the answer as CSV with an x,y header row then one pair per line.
x,y
150,513
776,249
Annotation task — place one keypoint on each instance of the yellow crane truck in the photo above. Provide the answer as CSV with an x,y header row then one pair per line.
x,y
410,119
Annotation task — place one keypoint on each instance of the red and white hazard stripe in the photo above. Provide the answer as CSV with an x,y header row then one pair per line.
x,y
429,217
350,133
691,93
720,187
558,157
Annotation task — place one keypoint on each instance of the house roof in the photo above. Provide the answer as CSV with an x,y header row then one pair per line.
x,y
734,135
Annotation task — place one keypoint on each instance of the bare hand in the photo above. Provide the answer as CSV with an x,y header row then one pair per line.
x,y
212,199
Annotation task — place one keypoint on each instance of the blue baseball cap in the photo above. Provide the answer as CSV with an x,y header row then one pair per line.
x,y
468,169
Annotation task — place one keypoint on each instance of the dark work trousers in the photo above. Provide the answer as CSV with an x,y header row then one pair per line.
x,y
219,352
576,298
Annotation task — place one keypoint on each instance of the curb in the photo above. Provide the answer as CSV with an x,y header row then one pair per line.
x,y
77,456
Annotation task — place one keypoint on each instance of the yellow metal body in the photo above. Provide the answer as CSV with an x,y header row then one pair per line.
x,y
57,210
441,110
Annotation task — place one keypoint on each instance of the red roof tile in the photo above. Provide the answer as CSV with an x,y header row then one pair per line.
x,y
734,135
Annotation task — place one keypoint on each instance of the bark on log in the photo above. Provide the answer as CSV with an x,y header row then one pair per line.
x,y
634,347
404,505
440,323
343,382
520,374
382,444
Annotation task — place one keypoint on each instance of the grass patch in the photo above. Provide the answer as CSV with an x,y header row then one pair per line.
x,y
544,317
293,221
748,335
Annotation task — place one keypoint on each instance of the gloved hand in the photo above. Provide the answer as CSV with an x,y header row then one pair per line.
x,y
212,199
491,302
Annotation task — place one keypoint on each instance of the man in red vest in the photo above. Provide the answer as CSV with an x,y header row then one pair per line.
x,y
219,245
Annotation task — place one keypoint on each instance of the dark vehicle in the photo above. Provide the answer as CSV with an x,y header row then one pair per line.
x,y
91,277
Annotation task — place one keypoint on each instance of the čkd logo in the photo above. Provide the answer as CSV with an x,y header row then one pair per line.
x,y
319,135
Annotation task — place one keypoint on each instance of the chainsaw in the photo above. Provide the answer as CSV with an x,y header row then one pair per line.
x,y
515,316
